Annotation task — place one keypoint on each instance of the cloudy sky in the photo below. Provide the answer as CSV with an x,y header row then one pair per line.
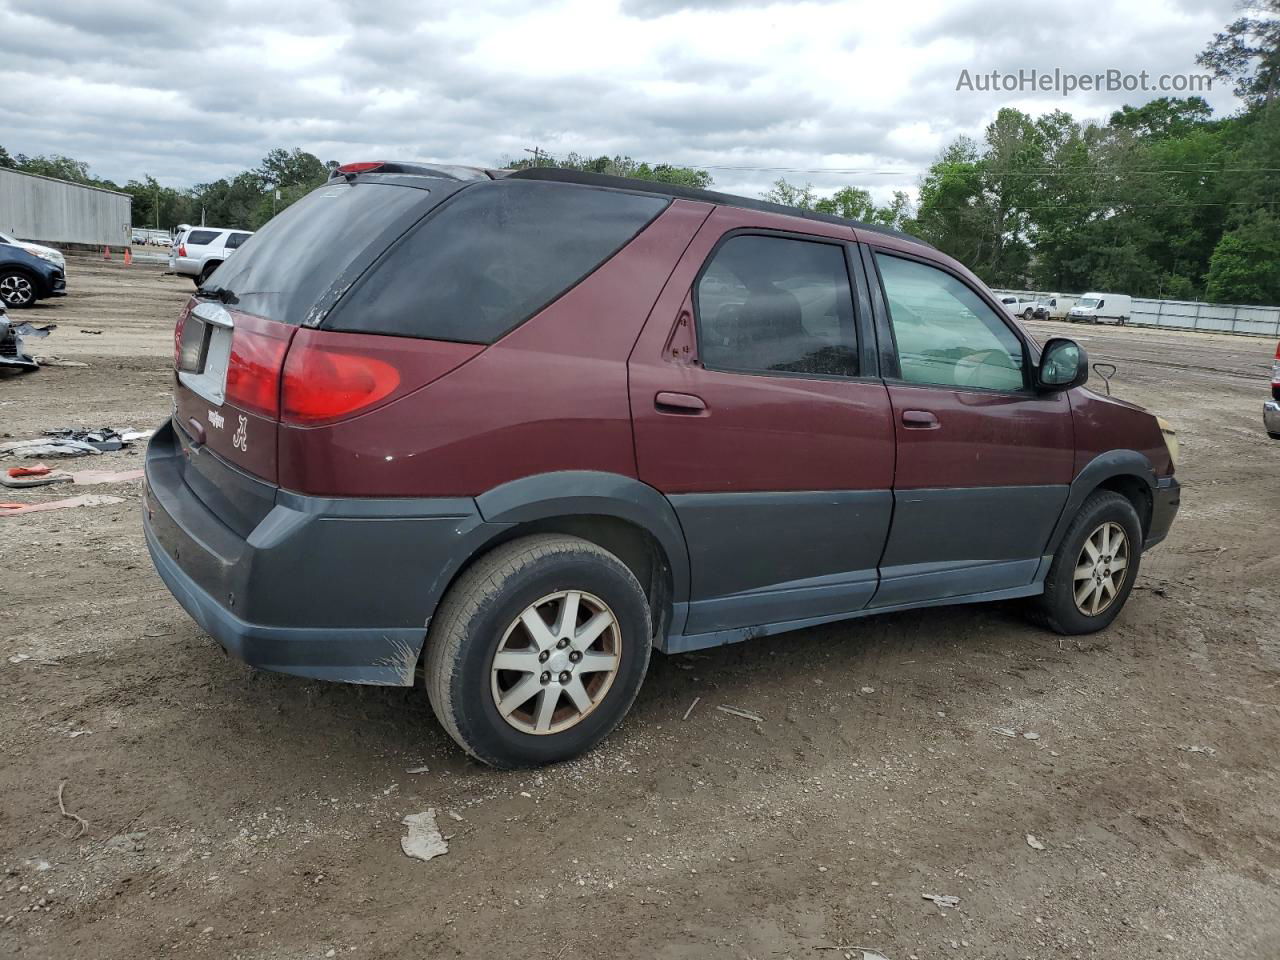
x,y
827,92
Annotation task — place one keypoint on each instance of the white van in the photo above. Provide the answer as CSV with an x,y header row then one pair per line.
x,y
1055,306
1102,308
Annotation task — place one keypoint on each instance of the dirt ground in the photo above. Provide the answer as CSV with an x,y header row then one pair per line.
x,y
240,814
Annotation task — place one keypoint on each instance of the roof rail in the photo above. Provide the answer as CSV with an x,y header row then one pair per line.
x,y
562,175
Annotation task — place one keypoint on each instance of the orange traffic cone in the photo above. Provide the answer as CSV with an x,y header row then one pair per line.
x,y
106,253
128,256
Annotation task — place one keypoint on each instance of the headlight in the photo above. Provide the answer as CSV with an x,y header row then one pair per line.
x,y
50,256
1170,439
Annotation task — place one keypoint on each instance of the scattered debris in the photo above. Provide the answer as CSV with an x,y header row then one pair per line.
x,y
1033,843
454,815
696,700
744,714
88,500
942,899
416,770
1208,751
1005,731
52,361
19,658
868,689
13,351
78,733
73,442
94,332
83,823
423,840
1030,736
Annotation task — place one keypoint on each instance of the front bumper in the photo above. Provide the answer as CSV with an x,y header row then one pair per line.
x,y
1271,418
335,589
1164,507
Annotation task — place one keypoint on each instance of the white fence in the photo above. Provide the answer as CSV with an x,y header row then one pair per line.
x,y
1192,315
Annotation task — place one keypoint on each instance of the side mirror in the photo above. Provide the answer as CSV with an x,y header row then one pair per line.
x,y
1063,365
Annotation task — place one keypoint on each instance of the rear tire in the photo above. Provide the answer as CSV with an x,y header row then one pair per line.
x,y
206,272
566,688
1093,569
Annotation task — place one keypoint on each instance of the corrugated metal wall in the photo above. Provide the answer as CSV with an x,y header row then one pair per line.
x,y
44,210
1192,315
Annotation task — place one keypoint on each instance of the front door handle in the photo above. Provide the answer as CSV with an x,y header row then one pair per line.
x,y
919,420
685,404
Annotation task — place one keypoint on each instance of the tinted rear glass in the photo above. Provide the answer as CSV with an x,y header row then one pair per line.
x,y
288,270
201,237
491,257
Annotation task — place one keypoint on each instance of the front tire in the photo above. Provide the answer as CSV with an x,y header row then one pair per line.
x,y
17,289
537,652
1094,567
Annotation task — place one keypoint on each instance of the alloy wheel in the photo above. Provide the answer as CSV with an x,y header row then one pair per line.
x,y
16,290
556,662
1101,568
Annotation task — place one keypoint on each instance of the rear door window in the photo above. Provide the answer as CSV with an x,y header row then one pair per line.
x,y
201,238
946,335
234,240
491,258
777,305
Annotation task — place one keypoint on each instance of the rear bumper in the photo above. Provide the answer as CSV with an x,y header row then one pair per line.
x,y
1164,507
335,589
1271,418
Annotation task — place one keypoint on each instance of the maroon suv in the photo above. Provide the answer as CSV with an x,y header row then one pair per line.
x,y
521,429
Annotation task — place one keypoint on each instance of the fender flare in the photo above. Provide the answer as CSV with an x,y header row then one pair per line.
x,y
568,493
1113,463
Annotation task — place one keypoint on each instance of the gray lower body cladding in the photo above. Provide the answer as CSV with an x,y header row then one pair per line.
x,y
337,589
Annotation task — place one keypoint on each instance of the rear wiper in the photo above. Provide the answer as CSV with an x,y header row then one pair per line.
x,y
221,294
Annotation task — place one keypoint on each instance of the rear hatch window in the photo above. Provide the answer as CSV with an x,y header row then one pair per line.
x,y
201,238
285,274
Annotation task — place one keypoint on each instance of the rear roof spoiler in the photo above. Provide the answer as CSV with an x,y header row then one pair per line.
x,y
443,171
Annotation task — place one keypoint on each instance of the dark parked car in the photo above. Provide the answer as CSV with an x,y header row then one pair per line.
x,y
25,278
518,431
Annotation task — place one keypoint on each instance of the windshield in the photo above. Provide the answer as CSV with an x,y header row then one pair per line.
x,y
284,270
1089,302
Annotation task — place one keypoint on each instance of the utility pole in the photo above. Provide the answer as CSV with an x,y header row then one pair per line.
x,y
538,154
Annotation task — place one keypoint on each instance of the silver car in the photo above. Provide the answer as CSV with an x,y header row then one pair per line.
x,y
198,251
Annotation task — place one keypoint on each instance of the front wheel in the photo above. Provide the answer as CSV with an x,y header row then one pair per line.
x,y
16,289
537,652
1094,567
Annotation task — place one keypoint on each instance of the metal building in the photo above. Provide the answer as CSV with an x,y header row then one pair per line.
x,y
45,210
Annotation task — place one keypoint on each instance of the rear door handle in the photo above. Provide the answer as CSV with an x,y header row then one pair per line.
x,y
685,404
919,420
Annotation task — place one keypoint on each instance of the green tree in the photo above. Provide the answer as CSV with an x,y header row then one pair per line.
x,y
6,161
1245,266
1248,53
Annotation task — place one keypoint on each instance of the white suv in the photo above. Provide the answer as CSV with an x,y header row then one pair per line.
x,y
198,251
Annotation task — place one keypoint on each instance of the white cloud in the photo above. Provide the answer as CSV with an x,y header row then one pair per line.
x,y
740,86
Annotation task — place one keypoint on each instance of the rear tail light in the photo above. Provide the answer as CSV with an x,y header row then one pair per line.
x,y
253,371
182,249
1275,368
323,383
